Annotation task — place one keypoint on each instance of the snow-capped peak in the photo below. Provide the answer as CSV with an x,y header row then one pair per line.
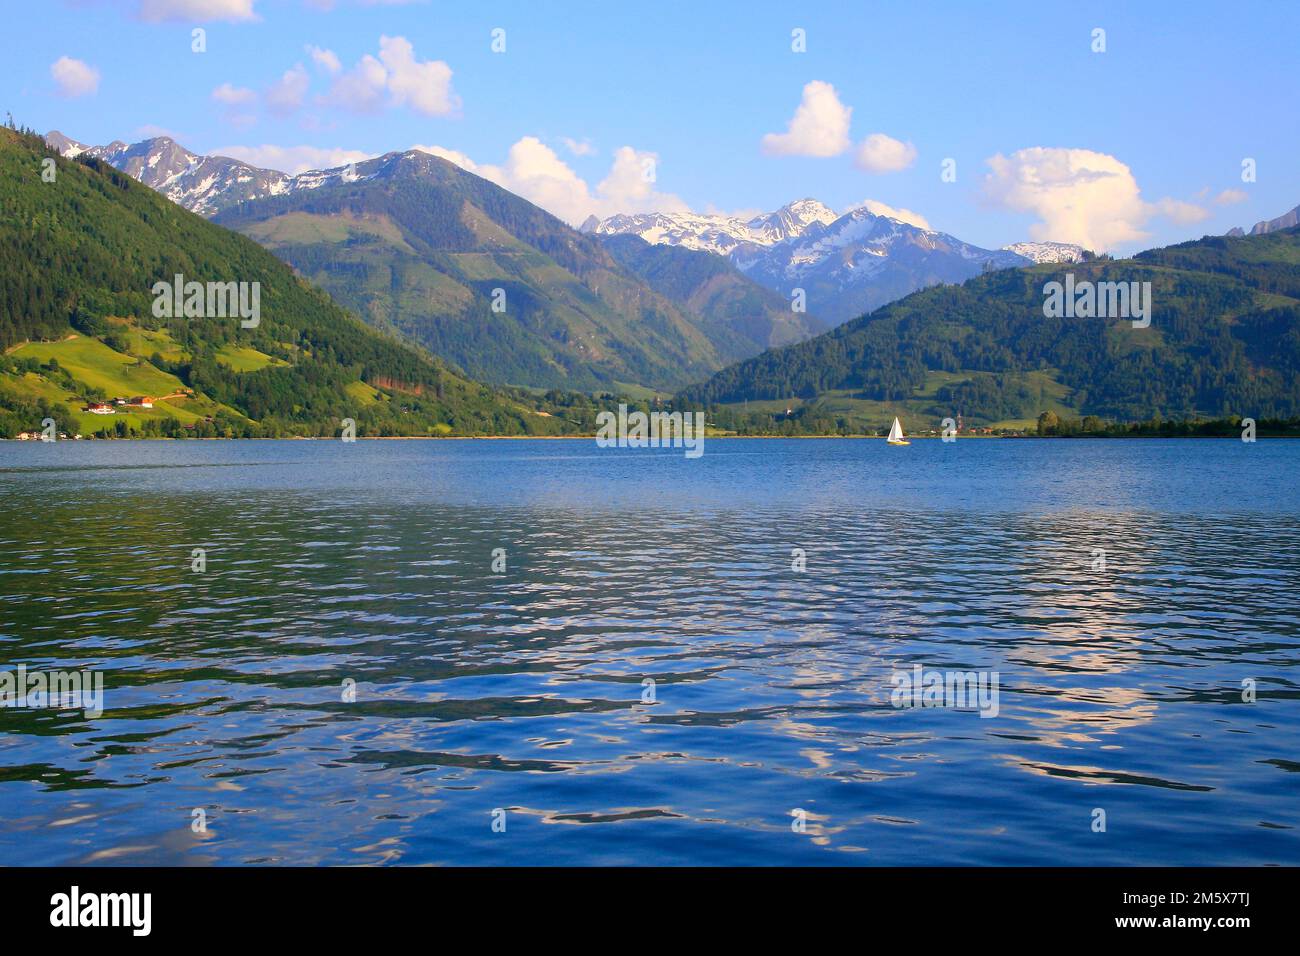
x,y
202,184
65,145
1041,252
716,233
847,264
789,221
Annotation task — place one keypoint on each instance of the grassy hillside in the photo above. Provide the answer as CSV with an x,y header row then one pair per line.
x,y
78,260
1224,339
417,246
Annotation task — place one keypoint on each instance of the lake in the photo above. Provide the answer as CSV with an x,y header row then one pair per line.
x,y
544,652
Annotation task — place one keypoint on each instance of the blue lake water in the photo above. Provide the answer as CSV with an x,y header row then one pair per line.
x,y
524,689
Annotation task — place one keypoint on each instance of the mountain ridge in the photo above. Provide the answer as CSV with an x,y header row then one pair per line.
x,y
1224,339
573,316
1287,220
418,245
1047,252
202,184
81,256
846,264
710,286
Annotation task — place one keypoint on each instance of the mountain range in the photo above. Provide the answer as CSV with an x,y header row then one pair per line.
x,y
202,184
422,250
420,247
1223,339
846,265
81,253
719,234
566,331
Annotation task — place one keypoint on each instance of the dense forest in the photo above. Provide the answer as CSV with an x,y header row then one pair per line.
x,y
81,247
1224,339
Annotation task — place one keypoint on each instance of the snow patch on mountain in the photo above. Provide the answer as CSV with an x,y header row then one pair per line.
x,y
64,145
847,264
1041,252
202,184
714,233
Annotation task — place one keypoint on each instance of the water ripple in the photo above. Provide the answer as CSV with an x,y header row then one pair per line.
x,y
650,679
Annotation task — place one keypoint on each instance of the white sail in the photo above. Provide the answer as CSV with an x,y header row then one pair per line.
x,y
896,432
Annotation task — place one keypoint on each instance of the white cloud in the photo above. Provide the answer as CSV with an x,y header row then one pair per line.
x,y
236,99
819,127
579,147
628,188
879,153
196,10
361,89
877,208
233,95
424,86
533,170
287,93
1230,196
1181,212
293,159
1079,195
327,60
74,77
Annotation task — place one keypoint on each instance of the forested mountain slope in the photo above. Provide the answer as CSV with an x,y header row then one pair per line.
x,y
1224,338
79,259
711,287
418,245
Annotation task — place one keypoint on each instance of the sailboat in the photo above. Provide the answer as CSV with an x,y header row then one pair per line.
x,y
896,435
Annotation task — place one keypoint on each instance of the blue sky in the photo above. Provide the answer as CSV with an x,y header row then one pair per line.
x,y
1136,146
